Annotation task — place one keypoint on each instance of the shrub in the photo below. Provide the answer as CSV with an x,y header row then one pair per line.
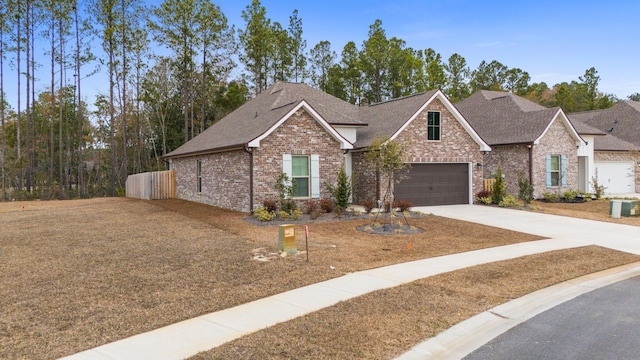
x,y
341,191
486,200
284,186
483,194
270,205
295,214
339,211
403,205
508,201
598,189
326,205
550,197
315,214
283,215
570,195
525,190
263,214
498,187
369,205
312,206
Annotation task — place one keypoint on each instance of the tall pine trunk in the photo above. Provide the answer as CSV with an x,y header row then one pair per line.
x,y
80,115
2,136
124,92
53,106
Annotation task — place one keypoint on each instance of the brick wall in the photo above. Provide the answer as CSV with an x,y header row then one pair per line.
x,y
364,179
456,145
301,134
225,179
513,161
622,156
557,141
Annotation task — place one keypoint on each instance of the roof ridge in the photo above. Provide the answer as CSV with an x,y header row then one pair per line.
x,y
401,98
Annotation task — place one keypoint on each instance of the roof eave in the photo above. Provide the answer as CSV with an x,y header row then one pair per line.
x,y
205,152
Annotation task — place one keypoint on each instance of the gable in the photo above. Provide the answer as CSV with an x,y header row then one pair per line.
x,y
344,143
561,119
391,118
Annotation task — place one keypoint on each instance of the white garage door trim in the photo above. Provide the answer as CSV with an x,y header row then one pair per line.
x,y
616,176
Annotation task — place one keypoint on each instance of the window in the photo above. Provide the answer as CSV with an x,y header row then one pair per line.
x,y
554,170
199,175
300,175
433,126
305,170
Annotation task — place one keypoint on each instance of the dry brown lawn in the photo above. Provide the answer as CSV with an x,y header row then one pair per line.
x,y
78,274
387,323
592,210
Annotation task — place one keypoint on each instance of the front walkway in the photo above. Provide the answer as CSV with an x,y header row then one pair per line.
x,y
191,336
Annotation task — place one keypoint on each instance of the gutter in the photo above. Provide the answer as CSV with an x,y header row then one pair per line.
x,y
249,151
530,146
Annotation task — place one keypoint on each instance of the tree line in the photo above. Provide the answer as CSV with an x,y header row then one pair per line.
x,y
172,70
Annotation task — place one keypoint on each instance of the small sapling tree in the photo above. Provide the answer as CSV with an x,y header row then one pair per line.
x,y
388,159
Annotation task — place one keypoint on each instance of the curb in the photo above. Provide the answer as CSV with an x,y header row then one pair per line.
x,y
469,335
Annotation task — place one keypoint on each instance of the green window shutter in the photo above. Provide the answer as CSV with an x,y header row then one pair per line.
x,y
548,161
287,166
563,171
315,176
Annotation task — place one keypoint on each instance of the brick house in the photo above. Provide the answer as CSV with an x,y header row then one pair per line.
x,y
308,135
615,135
528,140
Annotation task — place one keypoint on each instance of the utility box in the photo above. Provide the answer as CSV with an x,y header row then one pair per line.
x,y
625,208
287,239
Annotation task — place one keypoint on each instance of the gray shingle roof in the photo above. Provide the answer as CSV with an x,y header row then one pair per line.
x,y
582,128
612,143
504,118
256,117
259,114
622,120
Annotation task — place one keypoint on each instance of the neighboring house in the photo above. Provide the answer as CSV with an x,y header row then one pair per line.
x,y
616,145
307,134
528,140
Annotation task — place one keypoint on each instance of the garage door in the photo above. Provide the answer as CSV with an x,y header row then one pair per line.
x,y
435,184
616,176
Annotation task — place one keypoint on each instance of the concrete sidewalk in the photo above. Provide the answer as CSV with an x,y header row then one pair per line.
x,y
191,336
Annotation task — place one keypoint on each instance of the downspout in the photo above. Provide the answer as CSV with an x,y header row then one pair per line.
x,y
249,151
530,146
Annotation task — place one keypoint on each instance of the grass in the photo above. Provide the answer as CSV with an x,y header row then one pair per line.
x,y
591,210
79,274
387,323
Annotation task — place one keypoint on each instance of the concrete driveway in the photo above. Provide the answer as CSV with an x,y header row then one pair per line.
x,y
586,232
478,332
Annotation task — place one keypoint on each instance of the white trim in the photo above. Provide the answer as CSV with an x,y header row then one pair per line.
x,y
344,143
456,114
470,169
567,124
314,176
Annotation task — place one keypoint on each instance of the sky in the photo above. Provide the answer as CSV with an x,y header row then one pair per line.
x,y
554,41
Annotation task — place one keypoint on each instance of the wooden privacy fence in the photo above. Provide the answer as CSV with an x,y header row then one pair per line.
x,y
152,185
487,185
